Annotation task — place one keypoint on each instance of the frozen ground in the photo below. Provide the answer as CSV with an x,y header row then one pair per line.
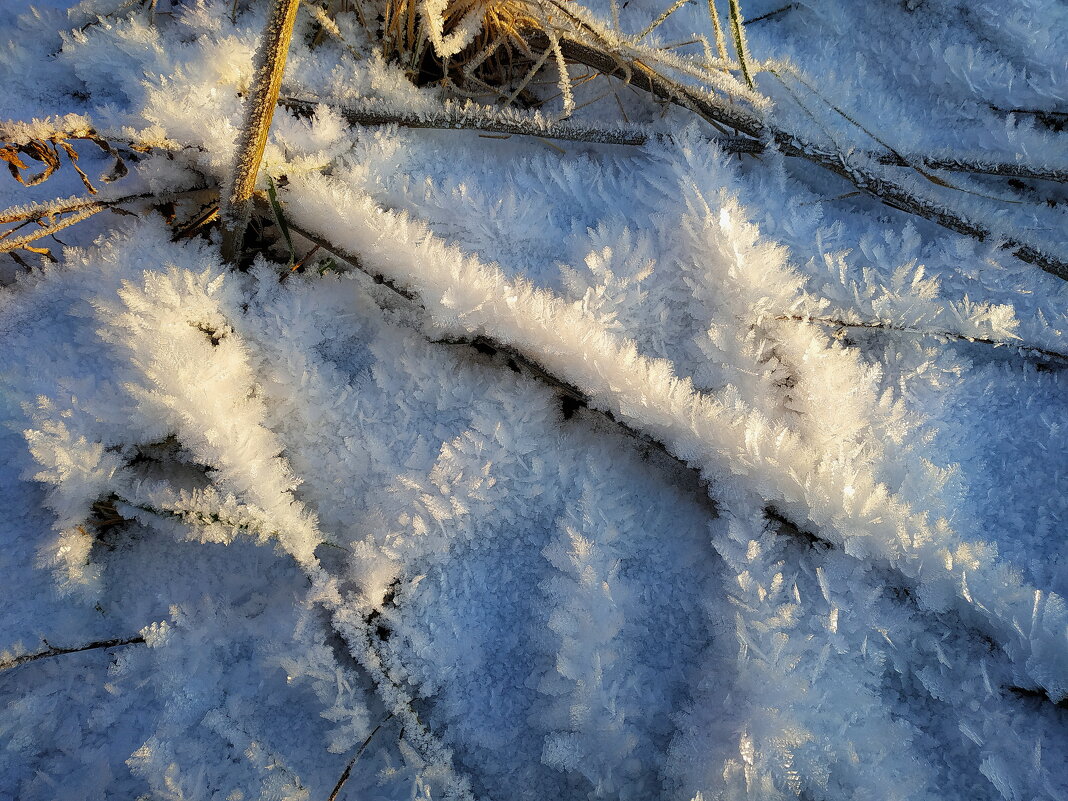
x,y
323,528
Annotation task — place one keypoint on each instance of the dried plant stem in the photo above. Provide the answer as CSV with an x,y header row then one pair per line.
x,y
54,209
78,209
50,652
260,104
1004,169
476,120
507,355
348,768
1038,353
513,359
717,28
22,242
771,14
663,16
361,639
714,110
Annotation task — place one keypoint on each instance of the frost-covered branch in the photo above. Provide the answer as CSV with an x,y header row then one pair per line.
x,y
270,63
710,431
360,632
348,768
508,356
13,662
25,242
50,220
475,118
719,112
1039,353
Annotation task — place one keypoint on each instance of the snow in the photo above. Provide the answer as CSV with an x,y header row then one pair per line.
x,y
803,537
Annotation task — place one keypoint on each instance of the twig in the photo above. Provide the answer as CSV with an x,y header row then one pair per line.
x,y
348,768
474,119
1054,120
50,652
771,14
1040,353
740,46
22,242
79,209
1005,169
389,689
54,209
262,98
714,110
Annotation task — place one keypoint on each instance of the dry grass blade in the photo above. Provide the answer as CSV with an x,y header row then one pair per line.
x,y
36,150
663,16
740,47
24,242
717,28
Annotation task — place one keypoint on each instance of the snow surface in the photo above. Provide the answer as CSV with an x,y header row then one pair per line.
x,y
349,535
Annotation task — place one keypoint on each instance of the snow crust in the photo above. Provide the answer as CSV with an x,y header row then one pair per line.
x,y
349,535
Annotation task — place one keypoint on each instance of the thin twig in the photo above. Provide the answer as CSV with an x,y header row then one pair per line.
x,y
348,768
54,209
474,119
78,209
771,14
477,120
1039,353
50,652
21,242
506,355
390,690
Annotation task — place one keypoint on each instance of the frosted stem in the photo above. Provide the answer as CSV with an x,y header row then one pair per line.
x,y
7,664
747,122
1042,354
269,64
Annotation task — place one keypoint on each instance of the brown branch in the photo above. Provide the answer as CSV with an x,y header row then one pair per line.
x,y
717,111
1039,353
50,652
1004,169
465,120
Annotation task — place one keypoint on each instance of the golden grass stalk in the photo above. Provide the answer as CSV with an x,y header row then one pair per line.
x,y
270,63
